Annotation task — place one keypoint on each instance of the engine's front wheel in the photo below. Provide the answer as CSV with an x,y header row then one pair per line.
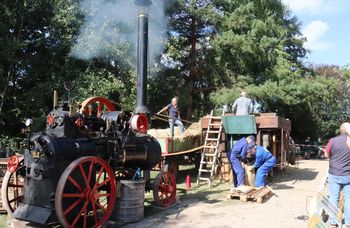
x,y
86,193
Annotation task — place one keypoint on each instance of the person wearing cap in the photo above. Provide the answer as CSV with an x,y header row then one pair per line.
x,y
242,106
264,162
238,153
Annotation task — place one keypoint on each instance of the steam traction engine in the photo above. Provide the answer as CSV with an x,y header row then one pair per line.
x,y
70,169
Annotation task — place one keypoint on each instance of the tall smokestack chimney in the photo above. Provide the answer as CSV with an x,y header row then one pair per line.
x,y
142,54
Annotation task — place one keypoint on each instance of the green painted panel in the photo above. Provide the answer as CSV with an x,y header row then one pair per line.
x,y
239,124
162,143
177,144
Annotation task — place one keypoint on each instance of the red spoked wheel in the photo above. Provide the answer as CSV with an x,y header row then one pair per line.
x,y
86,193
96,105
171,166
164,189
12,163
12,189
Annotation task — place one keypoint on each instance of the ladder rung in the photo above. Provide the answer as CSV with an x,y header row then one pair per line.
x,y
213,128
212,139
217,132
210,155
205,170
204,178
209,163
210,147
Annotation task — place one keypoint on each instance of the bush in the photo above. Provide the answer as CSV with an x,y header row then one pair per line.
x,y
11,144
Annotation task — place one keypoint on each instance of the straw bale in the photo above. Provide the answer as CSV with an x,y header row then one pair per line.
x,y
194,130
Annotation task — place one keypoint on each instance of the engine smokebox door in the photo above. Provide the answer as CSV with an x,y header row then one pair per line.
x,y
32,213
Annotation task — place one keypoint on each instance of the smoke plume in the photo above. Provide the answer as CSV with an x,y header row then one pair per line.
x,y
112,24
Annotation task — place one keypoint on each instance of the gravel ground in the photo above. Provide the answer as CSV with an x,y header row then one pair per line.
x,y
211,208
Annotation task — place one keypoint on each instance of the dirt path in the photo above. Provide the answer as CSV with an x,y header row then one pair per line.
x,y
211,208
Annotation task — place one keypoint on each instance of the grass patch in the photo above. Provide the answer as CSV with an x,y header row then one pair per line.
x,y
214,195
3,220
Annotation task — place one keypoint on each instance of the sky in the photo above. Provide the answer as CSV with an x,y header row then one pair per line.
x,y
326,26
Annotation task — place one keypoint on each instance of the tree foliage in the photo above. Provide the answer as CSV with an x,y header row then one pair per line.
x,y
213,50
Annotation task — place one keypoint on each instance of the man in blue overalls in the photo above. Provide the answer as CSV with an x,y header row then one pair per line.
x,y
237,154
264,162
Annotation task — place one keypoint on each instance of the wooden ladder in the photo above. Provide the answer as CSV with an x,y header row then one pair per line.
x,y
210,160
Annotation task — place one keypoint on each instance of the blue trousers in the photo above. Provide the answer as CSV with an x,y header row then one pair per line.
x,y
238,170
335,185
263,170
178,123
234,176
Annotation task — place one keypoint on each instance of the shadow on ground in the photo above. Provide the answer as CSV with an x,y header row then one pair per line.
x,y
292,174
215,195
185,199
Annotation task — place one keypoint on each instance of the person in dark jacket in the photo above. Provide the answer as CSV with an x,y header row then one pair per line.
x,y
264,162
237,154
174,116
338,151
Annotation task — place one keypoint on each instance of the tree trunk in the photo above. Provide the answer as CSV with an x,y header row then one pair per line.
x,y
4,92
190,99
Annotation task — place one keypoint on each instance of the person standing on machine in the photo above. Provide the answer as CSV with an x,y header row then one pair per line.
x,y
242,106
174,116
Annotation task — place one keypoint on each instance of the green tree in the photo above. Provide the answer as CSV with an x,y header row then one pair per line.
x,y
35,59
186,59
256,36
259,49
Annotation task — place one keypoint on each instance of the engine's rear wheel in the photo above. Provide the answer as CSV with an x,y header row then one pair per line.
x,y
170,165
164,189
86,193
12,189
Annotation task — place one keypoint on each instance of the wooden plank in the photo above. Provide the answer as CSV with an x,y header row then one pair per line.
x,y
268,122
268,114
241,197
256,195
204,122
263,195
